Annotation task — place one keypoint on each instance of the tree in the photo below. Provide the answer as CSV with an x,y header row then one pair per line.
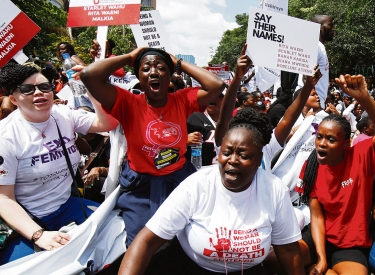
x,y
51,20
232,43
353,48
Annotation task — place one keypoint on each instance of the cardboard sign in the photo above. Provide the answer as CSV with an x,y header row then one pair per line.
x,y
221,71
84,13
150,31
279,6
267,77
274,41
16,30
101,38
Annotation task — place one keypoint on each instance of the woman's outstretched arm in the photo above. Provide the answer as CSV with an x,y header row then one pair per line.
x,y
356,87
285,125
242,67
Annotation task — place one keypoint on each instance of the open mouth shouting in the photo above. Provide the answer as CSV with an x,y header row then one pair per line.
x,y
155,86
232,174
322,155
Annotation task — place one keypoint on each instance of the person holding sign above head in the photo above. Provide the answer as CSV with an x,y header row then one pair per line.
x,y
154,124
326,35
284,126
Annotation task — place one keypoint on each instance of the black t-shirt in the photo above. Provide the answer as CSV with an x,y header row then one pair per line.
x,y
198,122
276,113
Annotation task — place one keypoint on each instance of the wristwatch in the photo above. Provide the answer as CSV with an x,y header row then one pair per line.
x,y
36,235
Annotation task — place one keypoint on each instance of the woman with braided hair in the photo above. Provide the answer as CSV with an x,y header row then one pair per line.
x,y
34,178
337,183
225,216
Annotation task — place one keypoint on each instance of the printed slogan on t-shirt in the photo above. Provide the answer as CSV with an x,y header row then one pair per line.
x,y
235,246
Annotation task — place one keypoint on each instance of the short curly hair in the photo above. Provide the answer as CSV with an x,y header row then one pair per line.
x,y
12,75
256,122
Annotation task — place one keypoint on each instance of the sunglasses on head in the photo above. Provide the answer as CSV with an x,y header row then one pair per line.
x,y
29,89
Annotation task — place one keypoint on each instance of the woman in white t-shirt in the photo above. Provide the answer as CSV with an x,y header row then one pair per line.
x,y
34,177
225,217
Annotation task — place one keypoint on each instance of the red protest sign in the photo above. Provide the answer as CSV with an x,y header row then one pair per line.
x,y
16,30
84,13
221,71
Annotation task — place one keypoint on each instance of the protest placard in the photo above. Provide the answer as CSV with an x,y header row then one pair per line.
x,y
221,71
13,33
266,77
84,13
150,31
279,6
274,41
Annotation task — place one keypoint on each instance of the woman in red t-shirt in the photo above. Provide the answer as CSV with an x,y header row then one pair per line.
x,y
337,184
154,124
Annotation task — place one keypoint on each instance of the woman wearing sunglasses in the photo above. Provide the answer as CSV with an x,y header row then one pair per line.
x,y
34,178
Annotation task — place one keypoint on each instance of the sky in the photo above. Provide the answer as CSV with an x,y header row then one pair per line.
x,y
196,26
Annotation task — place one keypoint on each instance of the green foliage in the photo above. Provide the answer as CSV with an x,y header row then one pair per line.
x,y
351,51
300,8
232,43
52,21
353,48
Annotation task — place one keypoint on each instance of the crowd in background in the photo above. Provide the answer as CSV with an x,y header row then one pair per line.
x,y
247,170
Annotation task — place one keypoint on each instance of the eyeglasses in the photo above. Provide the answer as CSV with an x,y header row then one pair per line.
x,y
29,89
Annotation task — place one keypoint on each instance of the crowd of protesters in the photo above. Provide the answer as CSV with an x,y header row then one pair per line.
x,y
265,156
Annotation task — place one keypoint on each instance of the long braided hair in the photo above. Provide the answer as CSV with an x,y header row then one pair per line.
x,y
311,169
258,123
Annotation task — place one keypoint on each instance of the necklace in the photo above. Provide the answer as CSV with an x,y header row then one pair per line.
x,y
159,114
45,128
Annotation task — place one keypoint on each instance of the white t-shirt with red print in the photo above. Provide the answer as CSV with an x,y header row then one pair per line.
x,y
222,230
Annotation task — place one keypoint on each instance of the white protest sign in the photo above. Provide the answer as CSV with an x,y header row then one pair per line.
x,y
267,77
122,82
101,38
275,41
150,31
20,57
195,83
220,70
279,6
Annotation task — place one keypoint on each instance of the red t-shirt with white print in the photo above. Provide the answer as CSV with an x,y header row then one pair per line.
x,y
147,135
345,194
